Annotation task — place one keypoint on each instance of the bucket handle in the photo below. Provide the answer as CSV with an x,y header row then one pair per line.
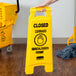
x,y
18,7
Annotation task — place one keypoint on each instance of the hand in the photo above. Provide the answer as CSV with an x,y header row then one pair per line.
x,y
42,5
46,3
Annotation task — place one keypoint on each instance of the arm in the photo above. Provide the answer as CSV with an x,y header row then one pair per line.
x,y
46,3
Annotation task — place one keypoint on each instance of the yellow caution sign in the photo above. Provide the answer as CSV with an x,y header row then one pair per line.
x,y
39,43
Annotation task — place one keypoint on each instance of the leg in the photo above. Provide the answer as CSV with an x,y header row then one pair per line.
x,y
29,69
48,68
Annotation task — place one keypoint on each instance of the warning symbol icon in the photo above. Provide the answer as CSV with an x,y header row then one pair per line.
x,y
3,38
40,39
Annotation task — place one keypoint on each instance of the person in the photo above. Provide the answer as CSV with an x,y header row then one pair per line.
x,y
46,3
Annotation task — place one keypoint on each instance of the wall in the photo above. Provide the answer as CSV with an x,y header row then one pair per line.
x,y
75,13
62,13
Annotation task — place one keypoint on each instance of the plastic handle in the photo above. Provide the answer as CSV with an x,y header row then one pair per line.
x,y
18,7
40,8
34,9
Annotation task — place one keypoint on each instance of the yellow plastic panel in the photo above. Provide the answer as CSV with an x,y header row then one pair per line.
x,y
6,36
8,17
39,43
2,4
10,14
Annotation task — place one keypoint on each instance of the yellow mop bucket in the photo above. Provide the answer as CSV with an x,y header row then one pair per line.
x,y
8,16
72,39
39,43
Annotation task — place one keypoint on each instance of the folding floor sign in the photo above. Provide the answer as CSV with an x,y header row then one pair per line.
x,y
39,43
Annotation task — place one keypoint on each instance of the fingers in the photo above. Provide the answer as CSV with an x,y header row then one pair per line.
x,y
43,10
40,6
46,3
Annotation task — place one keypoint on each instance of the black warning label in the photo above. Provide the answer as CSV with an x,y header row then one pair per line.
x,y
40,48
40,39
40,25
40,31
3,38
2,35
